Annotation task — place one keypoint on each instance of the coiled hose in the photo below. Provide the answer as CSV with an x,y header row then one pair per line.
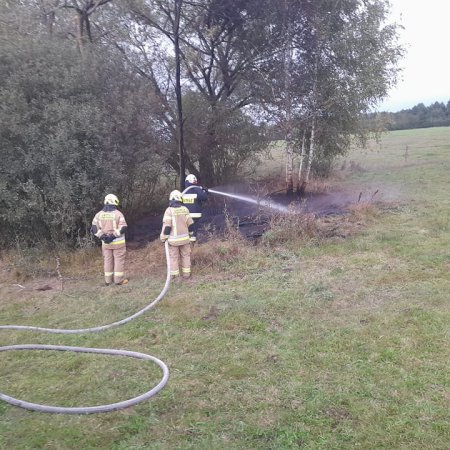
x,y
104,351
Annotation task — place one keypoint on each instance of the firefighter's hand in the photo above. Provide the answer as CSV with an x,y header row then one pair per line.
x,y
107,238
205,189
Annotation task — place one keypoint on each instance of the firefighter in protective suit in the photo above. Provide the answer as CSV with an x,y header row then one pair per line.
x,y
193,198
177,230
109,225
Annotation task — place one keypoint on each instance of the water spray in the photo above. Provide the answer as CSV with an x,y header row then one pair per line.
x,y
260,202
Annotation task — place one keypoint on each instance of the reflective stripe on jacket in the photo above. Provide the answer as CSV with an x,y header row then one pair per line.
x,y
178,220
110,221
193,198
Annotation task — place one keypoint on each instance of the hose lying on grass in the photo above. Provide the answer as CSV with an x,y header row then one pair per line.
x,y
104,351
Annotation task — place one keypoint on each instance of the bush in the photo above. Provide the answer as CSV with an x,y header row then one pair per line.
x,y
70,132
293,227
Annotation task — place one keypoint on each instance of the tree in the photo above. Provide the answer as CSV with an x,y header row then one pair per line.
x,y
221,52
213,45
70,131
84,10
344,59
166,17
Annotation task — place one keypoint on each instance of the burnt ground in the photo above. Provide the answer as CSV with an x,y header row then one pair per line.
x,y
252,219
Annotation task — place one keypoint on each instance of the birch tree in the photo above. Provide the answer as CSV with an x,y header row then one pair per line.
x,y
287,67
344,60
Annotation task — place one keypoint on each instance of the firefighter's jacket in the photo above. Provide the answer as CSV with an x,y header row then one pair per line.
x,y
193,198
176,225
110,221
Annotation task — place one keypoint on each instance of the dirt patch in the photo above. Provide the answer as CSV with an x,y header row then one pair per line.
x,y
253,219
44,289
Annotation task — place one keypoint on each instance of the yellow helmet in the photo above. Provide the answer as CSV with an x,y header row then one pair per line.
x,y
111,199
176,196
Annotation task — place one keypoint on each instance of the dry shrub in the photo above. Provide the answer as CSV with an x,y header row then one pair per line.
x,y
80,262
356,167
363,211
268,185
23,264
219,251
318,185
291,228
150,259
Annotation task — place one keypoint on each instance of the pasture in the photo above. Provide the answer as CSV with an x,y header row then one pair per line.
x,y
330,337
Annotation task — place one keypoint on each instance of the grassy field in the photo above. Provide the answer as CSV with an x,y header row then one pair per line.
x,y
330,337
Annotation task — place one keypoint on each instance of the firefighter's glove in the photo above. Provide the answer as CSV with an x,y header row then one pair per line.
x,y
107,238
205,189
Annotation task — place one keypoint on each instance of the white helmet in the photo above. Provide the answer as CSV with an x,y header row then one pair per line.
x,y
176,196
111,199
191,178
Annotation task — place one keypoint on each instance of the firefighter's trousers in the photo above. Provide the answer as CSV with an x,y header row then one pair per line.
x,y
194,229
180,258
114,264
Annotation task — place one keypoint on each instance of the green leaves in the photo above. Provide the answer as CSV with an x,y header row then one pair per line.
x,y
63,137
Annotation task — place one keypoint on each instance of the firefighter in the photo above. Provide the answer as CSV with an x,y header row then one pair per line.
x,y
193,198
109,225
177,230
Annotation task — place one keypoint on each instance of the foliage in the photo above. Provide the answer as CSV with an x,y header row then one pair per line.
x,y
237,143
219,42
328,81
71,130
436,114
95,104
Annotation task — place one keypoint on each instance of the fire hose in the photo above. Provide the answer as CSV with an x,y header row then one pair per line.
x,y
104,351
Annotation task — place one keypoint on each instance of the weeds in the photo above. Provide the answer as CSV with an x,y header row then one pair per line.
x,y
219,252
290,228
319,185
363,211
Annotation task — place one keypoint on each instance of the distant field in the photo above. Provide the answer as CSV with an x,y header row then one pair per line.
x,y
333,340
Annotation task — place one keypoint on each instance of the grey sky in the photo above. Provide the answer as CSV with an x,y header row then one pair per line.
x,y
426,66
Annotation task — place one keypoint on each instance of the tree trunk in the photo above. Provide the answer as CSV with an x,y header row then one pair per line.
x,y
180,134
289,168
311,151
206,166
88,27
288,103
79,32
312,142
300,180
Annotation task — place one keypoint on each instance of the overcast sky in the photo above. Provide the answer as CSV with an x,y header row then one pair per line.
x,y
426,66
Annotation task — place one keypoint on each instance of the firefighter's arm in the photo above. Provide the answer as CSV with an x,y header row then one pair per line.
x,y
106,238
167,226
190,224
121,226
191,232
96,230
202,195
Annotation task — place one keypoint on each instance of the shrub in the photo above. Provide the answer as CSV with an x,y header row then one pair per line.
x,y
290,228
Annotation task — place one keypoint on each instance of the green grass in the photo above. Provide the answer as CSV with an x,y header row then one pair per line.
x,y
330,343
